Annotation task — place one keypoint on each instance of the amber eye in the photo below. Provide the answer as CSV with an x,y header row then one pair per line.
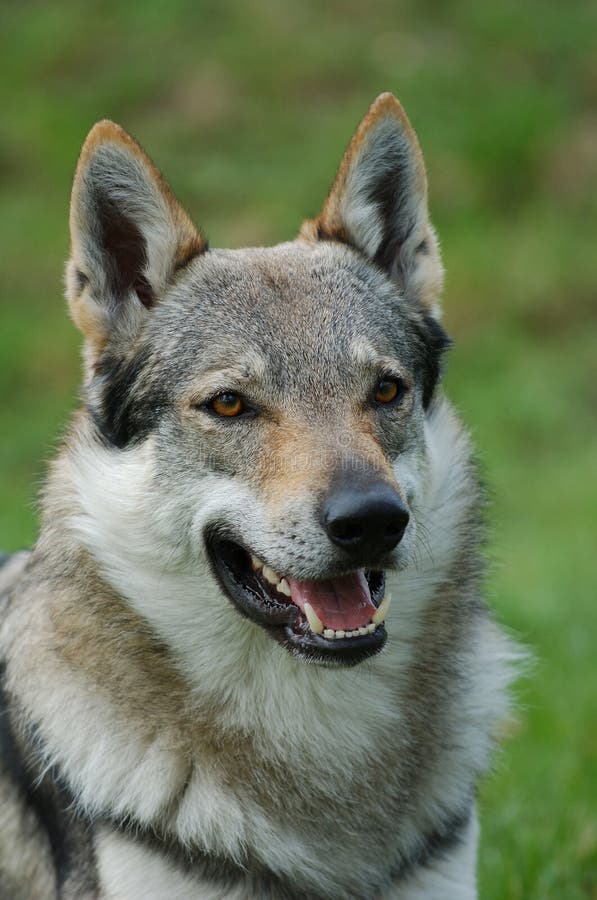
x,y
227,404
386,390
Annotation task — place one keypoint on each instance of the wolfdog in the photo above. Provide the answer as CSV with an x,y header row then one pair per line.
x,y
206,692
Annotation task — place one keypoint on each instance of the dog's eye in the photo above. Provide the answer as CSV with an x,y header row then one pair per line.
x,y
388,390
227,404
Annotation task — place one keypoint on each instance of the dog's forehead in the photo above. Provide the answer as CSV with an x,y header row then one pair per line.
x,y
299,282
297,304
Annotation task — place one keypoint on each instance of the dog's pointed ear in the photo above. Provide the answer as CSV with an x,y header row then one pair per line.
x,y
129,235
378,203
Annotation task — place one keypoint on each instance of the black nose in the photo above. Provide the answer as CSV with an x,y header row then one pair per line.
x,y
364,520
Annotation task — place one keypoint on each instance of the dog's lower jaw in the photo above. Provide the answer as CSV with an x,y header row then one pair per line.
x,y
278,606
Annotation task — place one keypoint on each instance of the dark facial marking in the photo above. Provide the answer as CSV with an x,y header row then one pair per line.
x,y
124,413
433,345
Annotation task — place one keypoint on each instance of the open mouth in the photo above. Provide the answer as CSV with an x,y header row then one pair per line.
x,y
337,620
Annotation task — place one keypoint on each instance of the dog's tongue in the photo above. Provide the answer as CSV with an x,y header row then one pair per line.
x,y
342,603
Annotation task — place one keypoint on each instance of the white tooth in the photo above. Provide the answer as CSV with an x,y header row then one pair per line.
x,y
256,562
313,619
371,627
382,610
284,587
270,575
340,634
363,630
329,634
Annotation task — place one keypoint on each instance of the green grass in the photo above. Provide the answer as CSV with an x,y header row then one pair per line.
x,y
247,108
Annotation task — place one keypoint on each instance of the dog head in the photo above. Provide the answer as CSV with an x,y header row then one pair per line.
x,y
279,394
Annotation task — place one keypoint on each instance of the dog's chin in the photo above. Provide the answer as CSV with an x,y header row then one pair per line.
x,y
267,599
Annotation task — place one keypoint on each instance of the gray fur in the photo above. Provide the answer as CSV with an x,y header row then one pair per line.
x,y
146,724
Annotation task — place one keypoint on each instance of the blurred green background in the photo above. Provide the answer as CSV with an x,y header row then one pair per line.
x,y
247,108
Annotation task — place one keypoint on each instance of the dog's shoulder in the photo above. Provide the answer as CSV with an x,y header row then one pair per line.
x,y
46,847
